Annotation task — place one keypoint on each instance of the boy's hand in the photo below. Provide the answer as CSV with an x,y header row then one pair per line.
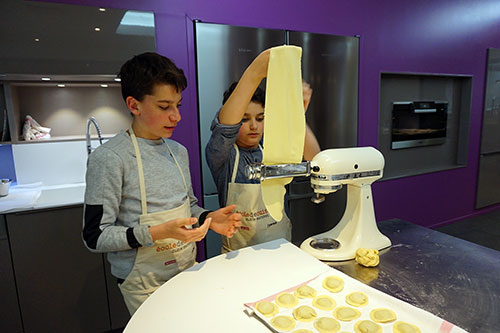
x,y
177,229
224,221
260,64
306,94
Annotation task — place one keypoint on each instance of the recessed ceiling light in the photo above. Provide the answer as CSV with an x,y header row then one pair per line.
x,y
45,78
104,85
97,29
117,79
102,9
37,39
61,85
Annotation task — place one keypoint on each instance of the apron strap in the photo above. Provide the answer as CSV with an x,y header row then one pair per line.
x,y
178,166
236,162
140,170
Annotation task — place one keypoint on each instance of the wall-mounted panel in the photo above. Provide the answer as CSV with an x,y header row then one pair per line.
x,y
423,122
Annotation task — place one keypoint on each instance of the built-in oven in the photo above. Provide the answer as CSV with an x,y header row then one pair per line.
x,y
418,123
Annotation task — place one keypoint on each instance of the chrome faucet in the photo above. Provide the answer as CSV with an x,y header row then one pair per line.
x,y
99,135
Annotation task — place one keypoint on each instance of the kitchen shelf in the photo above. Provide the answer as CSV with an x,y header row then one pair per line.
x,y
65,139
64,109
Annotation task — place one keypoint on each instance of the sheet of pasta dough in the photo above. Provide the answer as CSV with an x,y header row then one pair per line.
x,y
284,125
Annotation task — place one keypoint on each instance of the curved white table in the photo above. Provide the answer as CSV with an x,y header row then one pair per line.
x,y
209,296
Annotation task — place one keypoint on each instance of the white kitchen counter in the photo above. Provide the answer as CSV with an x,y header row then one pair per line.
x,y
209,296
41,197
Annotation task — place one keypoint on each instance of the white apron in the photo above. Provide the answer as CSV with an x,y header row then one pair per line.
x,y
154,265
257,225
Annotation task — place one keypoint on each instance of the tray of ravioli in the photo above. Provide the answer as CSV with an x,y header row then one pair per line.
x,y
334,302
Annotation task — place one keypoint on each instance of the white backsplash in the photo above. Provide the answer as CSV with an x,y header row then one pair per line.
x,y
52,163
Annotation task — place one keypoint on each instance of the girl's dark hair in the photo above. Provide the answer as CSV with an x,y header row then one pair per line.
x,y
140,74
258,97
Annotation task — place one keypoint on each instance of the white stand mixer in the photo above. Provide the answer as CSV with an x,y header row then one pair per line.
x,y
329,170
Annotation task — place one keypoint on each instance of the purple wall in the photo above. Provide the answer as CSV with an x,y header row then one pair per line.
x,y
447,36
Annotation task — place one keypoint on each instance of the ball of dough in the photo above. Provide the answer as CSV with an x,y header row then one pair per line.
x,y
324,302
357,298
283,323
268,309
403,327
367,326
346,313
326,325
286,300
305,292
382,315
367,257
304,314
333,284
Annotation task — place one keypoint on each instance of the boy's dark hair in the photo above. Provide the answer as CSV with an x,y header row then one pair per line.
x,y
140,74
258,97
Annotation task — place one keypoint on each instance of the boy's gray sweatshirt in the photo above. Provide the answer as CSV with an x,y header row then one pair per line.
x,y
113,200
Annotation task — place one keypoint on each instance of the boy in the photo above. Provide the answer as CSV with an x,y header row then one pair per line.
x,y
237,131
139,203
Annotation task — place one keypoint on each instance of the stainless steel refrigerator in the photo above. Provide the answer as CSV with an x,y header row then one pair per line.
x,y
329,65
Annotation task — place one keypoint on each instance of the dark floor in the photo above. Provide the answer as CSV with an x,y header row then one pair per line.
x,y
483,229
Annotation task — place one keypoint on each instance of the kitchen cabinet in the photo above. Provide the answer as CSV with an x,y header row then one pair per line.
x,y
61,286
10,317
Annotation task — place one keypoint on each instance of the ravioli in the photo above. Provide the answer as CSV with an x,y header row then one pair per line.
x,y
357,298
326,325
367,326
382,315
305,292
333,284
283,323
346,313
268,309
286,300
304,314
324,302
403,327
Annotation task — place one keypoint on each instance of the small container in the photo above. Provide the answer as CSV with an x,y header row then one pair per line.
x,y
4,186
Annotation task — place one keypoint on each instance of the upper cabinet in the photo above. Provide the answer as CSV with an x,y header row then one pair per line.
x,y
58,64
48,38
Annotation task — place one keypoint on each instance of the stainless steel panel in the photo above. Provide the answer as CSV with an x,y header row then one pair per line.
x,y
490,135
446,276
223,52
417,143
488,180
330,66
